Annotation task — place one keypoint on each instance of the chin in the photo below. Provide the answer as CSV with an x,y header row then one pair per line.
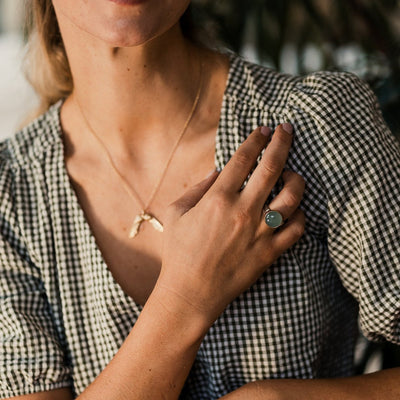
x,y
122,23
126,39
127,34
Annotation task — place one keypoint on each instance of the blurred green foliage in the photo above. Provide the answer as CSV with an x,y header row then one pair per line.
x,y
369,29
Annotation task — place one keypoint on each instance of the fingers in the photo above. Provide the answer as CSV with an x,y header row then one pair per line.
x,y
192,196
286,202
278,242
289,198
240,165
290,232
269,169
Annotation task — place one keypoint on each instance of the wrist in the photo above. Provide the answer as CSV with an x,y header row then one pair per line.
x,y
190,321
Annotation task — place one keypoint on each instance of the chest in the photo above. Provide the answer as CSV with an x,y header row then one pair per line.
x,y
135,263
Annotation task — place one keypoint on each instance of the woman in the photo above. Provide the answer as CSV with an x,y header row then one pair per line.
x,y
139,111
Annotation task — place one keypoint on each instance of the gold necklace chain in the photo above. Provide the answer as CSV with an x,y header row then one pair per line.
x,y
145,215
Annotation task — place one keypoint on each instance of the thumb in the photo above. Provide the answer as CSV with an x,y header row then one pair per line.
x,y
193,195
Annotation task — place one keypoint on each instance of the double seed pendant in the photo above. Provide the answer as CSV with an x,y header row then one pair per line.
x,y
142,217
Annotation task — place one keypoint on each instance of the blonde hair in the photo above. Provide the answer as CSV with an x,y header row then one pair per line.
x,y
46,63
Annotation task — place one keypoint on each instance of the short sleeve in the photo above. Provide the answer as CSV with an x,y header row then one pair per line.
x,y
357,160
31,358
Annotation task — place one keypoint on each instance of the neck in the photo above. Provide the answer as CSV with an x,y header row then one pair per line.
x,y
130,94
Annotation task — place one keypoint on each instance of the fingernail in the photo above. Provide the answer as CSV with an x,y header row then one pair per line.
x,y
265,131
287,128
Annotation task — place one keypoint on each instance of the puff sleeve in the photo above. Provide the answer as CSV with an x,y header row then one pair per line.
x,y
357,161
31,358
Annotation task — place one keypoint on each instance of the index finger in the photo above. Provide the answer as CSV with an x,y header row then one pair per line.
x,y
270,167
242,162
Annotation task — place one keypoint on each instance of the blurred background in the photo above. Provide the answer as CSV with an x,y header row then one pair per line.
x,y
302,36
16,97
293,36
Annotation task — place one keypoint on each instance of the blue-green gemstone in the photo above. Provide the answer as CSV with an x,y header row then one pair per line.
x,y
273,219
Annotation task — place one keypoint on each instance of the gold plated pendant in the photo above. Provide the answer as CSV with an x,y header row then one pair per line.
x,y
142,217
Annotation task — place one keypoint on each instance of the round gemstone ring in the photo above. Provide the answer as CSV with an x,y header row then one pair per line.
x,y
272,218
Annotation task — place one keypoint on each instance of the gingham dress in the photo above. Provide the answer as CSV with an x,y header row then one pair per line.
x,y
63,316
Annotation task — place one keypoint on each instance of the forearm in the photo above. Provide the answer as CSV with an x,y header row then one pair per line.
x,y
156,357
379,385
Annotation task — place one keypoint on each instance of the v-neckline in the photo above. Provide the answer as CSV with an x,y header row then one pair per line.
x,y
76,207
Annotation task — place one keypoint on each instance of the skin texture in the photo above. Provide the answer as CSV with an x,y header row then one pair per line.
x,y
138,110
375,386
122,25
132,71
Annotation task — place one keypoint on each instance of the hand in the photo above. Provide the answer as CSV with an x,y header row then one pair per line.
x,y
216,243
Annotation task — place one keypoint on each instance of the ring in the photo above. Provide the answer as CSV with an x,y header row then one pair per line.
x,y
273,219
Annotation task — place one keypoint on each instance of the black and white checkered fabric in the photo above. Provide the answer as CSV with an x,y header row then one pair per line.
x,y
63,317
